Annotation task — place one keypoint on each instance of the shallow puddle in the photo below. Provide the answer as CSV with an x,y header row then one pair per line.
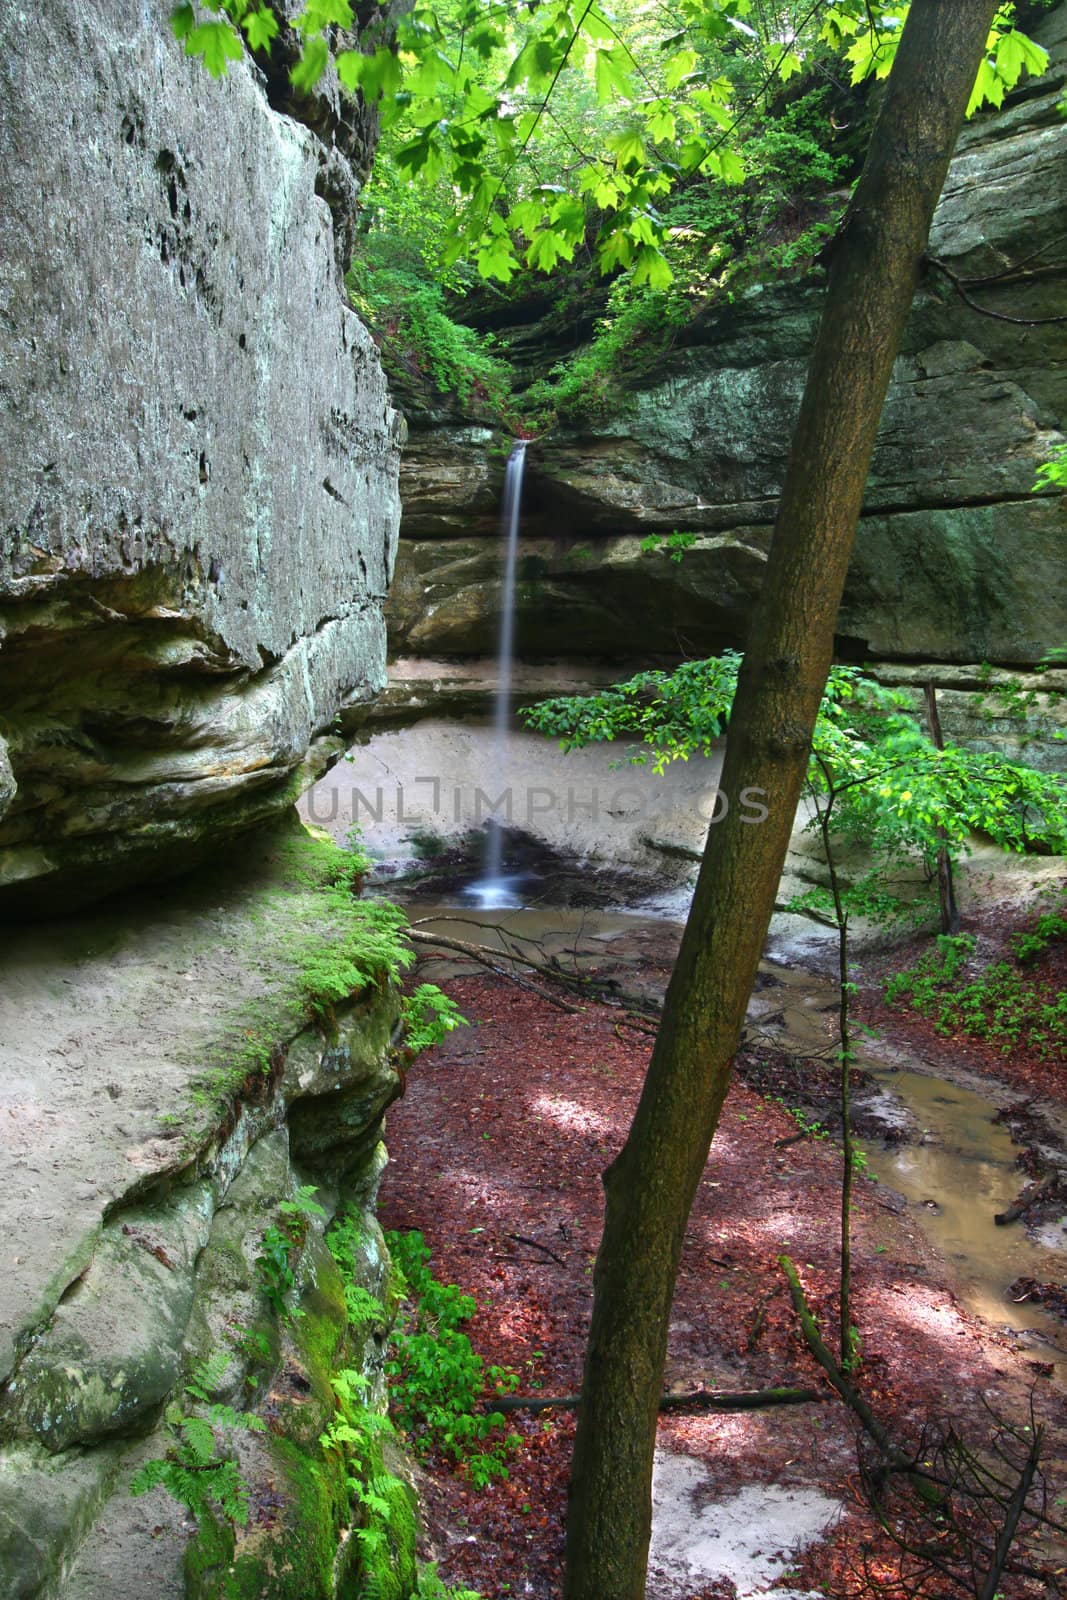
x,y
957,1174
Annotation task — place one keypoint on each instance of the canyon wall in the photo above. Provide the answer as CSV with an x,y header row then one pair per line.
x,y
955,562
200,455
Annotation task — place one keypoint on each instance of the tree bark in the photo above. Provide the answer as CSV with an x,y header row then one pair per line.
x,y
946,889
650,1187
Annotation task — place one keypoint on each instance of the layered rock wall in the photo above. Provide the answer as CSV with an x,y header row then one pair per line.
x,y
199,505
166,1096
956,561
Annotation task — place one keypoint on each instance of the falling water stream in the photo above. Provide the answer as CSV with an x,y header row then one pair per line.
x,y
494,888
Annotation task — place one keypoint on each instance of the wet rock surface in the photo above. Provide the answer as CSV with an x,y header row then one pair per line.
x,y
184,604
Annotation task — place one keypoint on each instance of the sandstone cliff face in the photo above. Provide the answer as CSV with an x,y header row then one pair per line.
x,y
200,457
174,1095
955,560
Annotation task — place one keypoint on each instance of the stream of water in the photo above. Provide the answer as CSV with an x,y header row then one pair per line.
x,y
493,888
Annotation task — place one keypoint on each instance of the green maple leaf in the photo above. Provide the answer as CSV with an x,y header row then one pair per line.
x,y
616,250
260,28
318,15
526,216
217,43
651,267
1017,54
496,259
546,248
182,21
612,75
679,67
628,146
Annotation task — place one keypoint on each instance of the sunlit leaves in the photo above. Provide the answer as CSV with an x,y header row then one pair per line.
x,y
423,156
377,75
546,248
318,15
1016,54
679,68
612,71
652,268
216,44
311,66
639,100
628,147
182,21
260,26
496,258
1052,474
526,216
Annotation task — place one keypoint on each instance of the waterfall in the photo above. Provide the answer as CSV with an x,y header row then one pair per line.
x,y
494,889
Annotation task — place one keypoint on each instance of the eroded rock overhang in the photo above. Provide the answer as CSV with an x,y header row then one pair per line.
x,y
200,496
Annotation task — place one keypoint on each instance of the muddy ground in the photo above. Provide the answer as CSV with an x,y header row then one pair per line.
x,y
497,1151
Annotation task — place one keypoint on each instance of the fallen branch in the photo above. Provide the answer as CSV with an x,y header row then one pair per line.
x,y
698,1400
1026,1201
520,1238
895,1459
1012,1516
491,961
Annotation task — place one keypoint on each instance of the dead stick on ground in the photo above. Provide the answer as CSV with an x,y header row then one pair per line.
x,y
520,1238
896,1459
1021,1207
491,961
699,1400
1011,1519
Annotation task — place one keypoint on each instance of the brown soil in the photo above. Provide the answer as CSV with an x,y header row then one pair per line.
x,y
497,1151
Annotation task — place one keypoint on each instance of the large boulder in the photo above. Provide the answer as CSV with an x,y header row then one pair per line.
x,y
201,458
956,560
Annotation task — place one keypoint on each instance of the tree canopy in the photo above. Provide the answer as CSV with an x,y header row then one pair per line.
x,y
561,123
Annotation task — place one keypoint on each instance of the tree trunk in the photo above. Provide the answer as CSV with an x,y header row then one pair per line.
x,y
650,1187
946,889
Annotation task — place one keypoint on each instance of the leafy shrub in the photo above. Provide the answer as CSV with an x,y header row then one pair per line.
x,y
436,1377
405,306
640,325
274,1261
428,1016
1002,1002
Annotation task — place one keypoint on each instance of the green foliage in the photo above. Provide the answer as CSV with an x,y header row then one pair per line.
x,y
673,545
302,1205
428,1017
381,1503
1049,928
402,298
276,1248
193,1469
436,1377
1052,474
430,1587
643,98
638,328
346,1239
671,715
896,794
274,1269
1002,1001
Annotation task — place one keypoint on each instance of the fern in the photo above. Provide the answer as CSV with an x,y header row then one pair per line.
x,y
193,1471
